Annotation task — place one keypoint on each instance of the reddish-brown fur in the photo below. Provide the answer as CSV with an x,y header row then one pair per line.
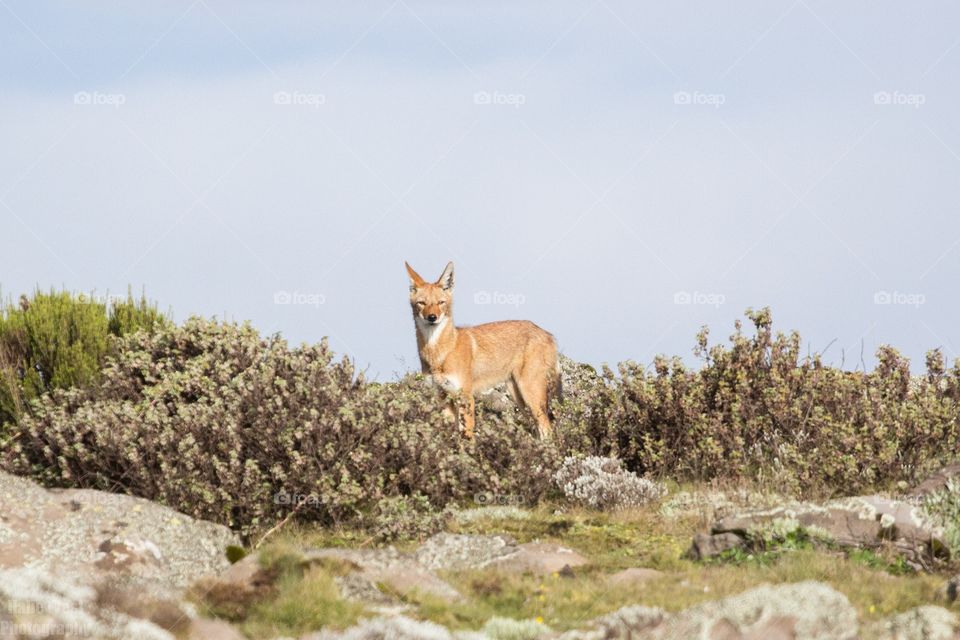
x,y
473,359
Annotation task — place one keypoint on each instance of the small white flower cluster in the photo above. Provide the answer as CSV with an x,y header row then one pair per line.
x,y
603,483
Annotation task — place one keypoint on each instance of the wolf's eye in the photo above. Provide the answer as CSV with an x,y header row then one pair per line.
x,y
442,302
421,303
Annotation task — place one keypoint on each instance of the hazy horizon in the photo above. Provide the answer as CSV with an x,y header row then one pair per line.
x,y
618,173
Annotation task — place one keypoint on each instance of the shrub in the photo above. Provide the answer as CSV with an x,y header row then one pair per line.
x,y
407,517
758,410
943,508
602,483
220,423
59,340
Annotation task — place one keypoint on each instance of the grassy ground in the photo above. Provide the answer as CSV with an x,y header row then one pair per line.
x,y
877,583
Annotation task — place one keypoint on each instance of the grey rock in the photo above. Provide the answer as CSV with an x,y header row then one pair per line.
x,y
448,551
922,623
863,521
460,551
401,572
37,604
386,628
708,545
97,535
802,611
934,483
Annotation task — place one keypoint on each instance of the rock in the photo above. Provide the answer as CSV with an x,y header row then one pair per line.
x,y
922,623
244,574
706,545
460,551
540,558
392,628
401,572
37,604
205,629
802,611
936,482
634,576
94,535
864,521
626,624
457,551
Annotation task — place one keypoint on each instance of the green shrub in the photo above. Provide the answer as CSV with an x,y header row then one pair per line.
x,y
131,314
222,424
58,340
943,508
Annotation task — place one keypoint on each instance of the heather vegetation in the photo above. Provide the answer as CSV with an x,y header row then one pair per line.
x,y
294,449
225,424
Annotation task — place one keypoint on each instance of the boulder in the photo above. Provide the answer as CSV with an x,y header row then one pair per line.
x,y
94,535
399,571
394,628
922,623
936,482
205,629
458,551
801,611
37,604
707,545
461,551
863,521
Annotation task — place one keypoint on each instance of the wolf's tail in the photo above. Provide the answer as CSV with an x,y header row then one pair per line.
x,y
554,390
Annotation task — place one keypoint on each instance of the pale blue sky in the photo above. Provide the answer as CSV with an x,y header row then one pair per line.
x,y
588,165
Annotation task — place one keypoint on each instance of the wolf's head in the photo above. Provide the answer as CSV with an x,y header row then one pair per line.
x,y
432,302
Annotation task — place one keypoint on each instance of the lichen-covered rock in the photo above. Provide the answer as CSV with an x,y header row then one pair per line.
x,y
393,628
709,545
35,604
922,623
400,571
94,535
804,611
862,521
458,551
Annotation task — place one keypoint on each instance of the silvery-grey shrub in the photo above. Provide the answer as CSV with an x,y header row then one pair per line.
x,y
603,483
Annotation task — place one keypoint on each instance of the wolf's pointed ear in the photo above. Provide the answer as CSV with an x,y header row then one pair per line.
x,y
446,278
415,279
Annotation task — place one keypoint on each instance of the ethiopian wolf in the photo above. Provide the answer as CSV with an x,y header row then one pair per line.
x,y
472,359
